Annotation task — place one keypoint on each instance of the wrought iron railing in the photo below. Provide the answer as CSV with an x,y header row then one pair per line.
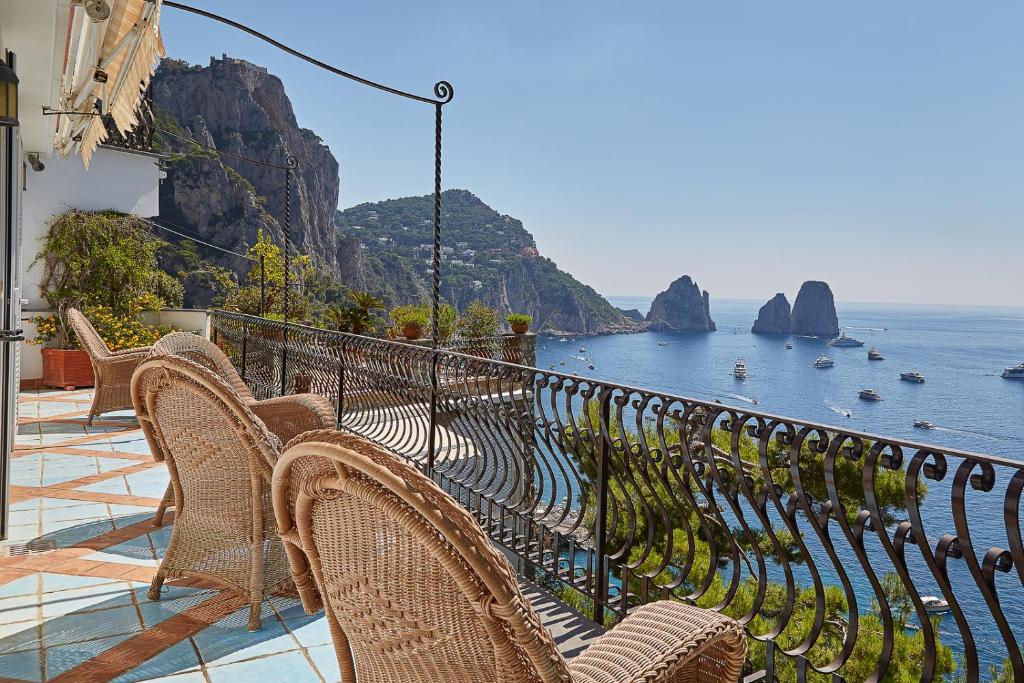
x,y
826,544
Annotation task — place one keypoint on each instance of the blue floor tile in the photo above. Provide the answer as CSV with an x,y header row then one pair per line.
x,y
175,659
289,666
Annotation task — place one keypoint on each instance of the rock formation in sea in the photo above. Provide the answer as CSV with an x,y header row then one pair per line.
x,y
681,307
774,317
633,314
814,311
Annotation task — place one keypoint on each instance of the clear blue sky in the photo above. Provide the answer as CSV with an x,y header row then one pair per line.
x,y
877,145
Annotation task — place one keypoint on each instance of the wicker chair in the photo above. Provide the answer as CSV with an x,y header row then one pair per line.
x,y
415,592
220,456
112,370
285,416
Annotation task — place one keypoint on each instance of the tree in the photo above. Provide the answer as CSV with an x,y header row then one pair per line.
x,y
301,272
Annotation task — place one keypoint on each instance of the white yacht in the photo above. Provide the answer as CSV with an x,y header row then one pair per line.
x,y
869,395
823,361
1015,372
875,354
843,341
740,369
914,376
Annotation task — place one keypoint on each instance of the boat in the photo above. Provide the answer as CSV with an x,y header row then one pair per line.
x,y
1014,373
788,345
869,395
590,366
740,369
923,424
823,361
914,376
934,605
562,340
875,354
842,341
583,349
661,343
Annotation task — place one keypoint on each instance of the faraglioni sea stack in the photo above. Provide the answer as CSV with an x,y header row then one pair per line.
x,y
681,307
774,316
814,311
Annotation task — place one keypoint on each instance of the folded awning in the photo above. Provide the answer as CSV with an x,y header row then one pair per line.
x,y
110,59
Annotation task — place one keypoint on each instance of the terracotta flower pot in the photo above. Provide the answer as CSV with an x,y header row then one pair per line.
x,y
520,328
412,332
67,368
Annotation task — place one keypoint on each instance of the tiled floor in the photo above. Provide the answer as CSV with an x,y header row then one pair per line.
x,y
82,549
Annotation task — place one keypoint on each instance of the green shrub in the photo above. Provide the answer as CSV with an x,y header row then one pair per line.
x,y
478,320
106,263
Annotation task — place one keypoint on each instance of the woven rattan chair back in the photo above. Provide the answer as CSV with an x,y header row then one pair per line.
x,y
414,592
203,352
87,335
220,458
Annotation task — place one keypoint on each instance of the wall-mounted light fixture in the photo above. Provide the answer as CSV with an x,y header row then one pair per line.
x,y
8,95
34,162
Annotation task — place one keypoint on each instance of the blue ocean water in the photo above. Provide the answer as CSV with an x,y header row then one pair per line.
x,y
960,351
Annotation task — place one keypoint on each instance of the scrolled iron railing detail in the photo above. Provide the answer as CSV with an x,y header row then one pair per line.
x,y
825,543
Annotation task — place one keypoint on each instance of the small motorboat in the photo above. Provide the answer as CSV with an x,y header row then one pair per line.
x,y
923,424
788,345
823,361
590,366
934,605
914,376
875,354
661,343
869,395
583,349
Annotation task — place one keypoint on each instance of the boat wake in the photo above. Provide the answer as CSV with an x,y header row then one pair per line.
x,y
745,399
845,412
869,329
967,432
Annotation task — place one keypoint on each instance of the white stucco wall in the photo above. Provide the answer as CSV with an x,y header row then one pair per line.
x,y
118,180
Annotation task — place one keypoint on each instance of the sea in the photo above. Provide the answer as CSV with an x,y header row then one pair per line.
x,y
961,351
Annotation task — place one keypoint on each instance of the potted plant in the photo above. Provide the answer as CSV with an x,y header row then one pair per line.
x,y
105,264
411,319
520,322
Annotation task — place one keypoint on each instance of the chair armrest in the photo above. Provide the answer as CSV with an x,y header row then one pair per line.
x,y
665,642
139,350
288,416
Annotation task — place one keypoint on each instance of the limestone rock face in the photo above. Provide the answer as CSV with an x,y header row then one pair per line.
x,y
633,314
774,316
239,108
681,307
814,311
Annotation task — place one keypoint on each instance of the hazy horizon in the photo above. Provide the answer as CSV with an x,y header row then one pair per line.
x,y
876,146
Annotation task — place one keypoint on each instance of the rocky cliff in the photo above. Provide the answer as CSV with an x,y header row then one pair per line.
x,y
773,317
814,311
386,247
241,110
681,307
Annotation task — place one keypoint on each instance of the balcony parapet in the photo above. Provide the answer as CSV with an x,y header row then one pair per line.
x,y
836,549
